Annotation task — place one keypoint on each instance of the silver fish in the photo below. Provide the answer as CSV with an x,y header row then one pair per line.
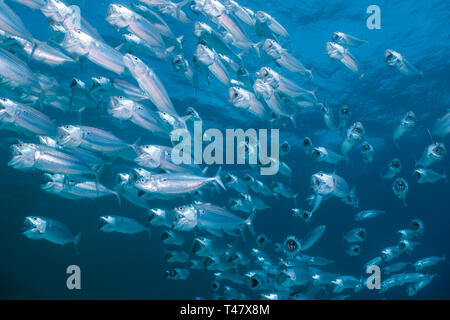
x,y
181,65
407,122
111,223
135,45
347,39
120,17
116,87
175,184
242,13
36,228
27,156
395,60
149,82
435,152
424,175
81,44
168,8
284,59
442,126
354,135
394,168
400,189
338,52
268,27
312,237
367,152
266,93
322,154
246,100
11,23
25,119
126,109
368,214
206,58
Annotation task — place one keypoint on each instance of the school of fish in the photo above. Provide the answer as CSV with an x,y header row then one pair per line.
x,y
199,234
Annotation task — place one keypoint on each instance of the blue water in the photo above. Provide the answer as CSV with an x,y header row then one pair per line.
x,y
116,266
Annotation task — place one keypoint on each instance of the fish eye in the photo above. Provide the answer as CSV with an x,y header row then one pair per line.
x,y
362,234
306,142
356,249
305,215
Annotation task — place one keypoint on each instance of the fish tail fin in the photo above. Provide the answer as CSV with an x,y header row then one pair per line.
x,y
218,179
292,117
445,177
294,198
119,201
382,180
182,4
404,202
431,136
255,47
135,145
76,242
179,41
249,222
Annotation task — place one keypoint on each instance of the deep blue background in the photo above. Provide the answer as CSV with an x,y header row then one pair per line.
x,y
119,266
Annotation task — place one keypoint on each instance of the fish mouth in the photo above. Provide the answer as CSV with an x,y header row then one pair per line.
x,y
389,56
291,246
365,147
362,234
417,174
209,261
102,223
46,179
168,255
415,225
198,245
261,16
170,274
395,164
165,235
16,149
316,154
336,37
113,10
306,142
27,225
400,186
261,240
253,282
